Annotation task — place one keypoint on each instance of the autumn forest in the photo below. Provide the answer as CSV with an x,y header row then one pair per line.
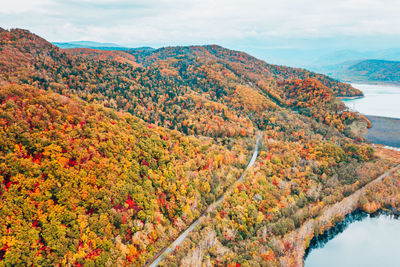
x,y
107,156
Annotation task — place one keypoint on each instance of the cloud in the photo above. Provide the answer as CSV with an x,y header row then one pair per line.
x,y
171,22
20,7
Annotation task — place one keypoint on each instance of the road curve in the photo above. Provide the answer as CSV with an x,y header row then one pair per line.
x,y
161,255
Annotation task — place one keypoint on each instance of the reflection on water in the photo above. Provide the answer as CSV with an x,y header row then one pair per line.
x,y
361,241
379,100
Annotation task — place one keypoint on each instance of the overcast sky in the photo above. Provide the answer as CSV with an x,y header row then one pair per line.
x,y
234,23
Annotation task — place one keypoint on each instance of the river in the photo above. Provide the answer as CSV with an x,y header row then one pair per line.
x,y
361,240
381,105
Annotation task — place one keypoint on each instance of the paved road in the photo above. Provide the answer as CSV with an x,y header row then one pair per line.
x,y
160,256
385,174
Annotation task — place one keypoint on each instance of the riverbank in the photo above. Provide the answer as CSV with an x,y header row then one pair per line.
x,y
384,131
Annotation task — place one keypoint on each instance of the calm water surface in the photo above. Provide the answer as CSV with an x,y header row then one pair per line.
x,y
379,100
371,242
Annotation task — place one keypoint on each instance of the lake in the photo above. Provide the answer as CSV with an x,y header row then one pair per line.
x,y
381,105
379,100
362,240
365,241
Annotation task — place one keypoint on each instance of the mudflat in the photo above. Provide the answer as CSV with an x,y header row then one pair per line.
x,y
385,131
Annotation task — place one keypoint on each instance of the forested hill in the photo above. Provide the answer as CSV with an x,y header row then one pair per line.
x,y
372,70
243,65
105,156
169,87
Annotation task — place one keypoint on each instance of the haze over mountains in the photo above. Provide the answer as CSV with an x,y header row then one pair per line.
x,y
365,71
344,65
96,45
84,44
360,66
352,55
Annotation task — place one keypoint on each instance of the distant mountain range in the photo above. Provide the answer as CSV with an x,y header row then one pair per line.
x,y
379,66
346,65
369,71
352,55
97,45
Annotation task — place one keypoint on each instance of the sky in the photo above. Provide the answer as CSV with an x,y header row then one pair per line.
x,y
256,26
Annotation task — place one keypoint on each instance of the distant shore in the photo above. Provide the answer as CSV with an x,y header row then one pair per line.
x,y
350,97
384,131
355,82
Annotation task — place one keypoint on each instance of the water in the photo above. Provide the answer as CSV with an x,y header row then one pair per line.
x,y
379,100
364,241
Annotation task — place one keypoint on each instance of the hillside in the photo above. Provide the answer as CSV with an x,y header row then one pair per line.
x,y
105,156
374,71
169,79
340,56
75,176
366,71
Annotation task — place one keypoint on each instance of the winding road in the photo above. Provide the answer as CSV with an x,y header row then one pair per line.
x,y
161,255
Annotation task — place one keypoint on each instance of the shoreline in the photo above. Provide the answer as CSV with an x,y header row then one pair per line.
x,y
350,97
357,215
331,215
319,241
382,117
380,83
384,131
